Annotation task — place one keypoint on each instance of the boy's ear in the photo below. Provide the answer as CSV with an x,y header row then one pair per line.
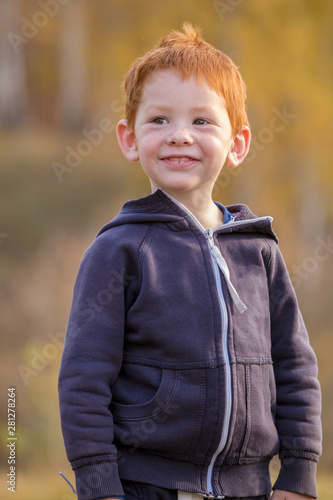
x,y
239,147
127,141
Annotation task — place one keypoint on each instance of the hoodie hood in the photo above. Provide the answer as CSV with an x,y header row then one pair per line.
x,y
245,221
159,208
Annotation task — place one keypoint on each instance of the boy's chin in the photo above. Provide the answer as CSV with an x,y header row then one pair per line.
x,y
179,187
173,190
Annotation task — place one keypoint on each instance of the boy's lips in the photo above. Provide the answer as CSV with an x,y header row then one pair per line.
x,y
179,160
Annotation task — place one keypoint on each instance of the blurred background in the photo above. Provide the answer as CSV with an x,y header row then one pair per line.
x,y
62,177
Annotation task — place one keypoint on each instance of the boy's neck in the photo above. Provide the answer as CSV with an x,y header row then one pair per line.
x,y
202,207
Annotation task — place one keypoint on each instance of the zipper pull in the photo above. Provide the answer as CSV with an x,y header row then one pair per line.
x,y
209,234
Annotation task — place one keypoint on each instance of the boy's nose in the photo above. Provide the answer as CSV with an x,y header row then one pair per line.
x,y
180,137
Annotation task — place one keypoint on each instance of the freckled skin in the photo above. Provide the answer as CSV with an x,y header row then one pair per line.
x,y
182,137
209,142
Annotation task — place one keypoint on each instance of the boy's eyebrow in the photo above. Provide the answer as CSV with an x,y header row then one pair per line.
x,y
159,107
195,109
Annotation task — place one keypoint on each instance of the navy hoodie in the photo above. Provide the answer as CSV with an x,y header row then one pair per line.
x,y
186,362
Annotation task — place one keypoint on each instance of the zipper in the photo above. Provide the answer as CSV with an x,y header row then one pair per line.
x,y
228,387
233,223
219,263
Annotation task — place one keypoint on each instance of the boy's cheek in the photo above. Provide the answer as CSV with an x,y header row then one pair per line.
x,y
148,145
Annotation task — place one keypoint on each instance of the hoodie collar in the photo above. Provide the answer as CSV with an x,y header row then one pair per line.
x,y
160,208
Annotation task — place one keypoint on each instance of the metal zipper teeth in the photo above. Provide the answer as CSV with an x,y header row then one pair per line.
x,y
228,386
224,317
228,393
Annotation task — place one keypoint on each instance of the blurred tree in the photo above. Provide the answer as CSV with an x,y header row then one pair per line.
x,y
73,64
284,51
12,67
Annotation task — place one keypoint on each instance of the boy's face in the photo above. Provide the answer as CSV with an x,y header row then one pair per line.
x,y
182,134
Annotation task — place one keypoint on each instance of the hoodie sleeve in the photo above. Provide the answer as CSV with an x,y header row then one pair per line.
x,y
297,387
90,364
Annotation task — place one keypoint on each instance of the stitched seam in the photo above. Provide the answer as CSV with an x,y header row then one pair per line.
x,y
191,365
248,413
200,414
158,409
142,251
268,254
100,459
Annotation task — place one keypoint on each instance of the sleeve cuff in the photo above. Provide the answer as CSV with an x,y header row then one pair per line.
x,y
297,475
97,481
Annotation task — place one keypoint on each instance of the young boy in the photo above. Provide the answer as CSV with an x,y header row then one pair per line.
x,y
187,365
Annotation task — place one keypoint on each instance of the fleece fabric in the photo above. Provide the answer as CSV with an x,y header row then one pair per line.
x,y
165,381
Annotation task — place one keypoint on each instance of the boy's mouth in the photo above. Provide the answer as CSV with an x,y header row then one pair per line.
x,y
179,160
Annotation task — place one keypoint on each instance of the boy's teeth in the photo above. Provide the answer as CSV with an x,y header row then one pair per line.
x,y
179,160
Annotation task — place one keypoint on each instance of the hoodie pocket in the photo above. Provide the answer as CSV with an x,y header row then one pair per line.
x,y
254,433
168,422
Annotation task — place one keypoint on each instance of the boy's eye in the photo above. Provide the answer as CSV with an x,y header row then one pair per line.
x,y
200,121
159,120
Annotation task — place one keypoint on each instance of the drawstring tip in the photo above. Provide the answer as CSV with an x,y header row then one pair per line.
x,y
242,308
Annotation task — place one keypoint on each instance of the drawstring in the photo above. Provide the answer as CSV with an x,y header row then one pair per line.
x,y
68,482
224,268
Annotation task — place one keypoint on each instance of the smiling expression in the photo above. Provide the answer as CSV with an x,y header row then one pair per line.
x,y
182,133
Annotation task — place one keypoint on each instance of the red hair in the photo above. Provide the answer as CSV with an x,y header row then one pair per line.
x,y
189,54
